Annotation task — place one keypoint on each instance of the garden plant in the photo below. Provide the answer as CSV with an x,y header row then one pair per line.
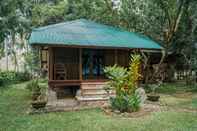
x,y
125,83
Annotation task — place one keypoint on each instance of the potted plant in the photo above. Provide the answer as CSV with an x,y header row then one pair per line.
x,y
40,102
153,96
38,94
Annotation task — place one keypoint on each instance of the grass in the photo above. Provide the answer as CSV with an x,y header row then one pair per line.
x,y
173,88
178,95
14,103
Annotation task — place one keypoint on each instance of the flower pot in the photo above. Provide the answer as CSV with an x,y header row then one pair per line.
x,y
153,97
38,104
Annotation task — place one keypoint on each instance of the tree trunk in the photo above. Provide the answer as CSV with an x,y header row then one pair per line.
x,y
6,52
14,53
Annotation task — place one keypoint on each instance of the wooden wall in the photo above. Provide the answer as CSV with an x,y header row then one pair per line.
x,y
70,58
123,58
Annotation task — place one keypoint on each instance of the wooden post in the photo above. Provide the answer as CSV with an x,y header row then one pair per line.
x,y
40,54
116,56
80,64
51,63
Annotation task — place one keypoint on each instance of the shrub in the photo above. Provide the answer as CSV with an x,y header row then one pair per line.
x,y
9,77
125,82
33,85
32,61
36,89
134,102
23,76
125,103
119,103
117,76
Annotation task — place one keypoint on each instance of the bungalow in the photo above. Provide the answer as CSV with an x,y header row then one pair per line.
x,y
74,54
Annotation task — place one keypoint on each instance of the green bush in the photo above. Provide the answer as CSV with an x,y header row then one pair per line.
x,y
33,86
9,77
125,103
23,76
134,102
36,89
125,82
119,103
117,76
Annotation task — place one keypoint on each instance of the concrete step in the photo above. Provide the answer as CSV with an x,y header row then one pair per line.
x,y
93,87
96,92
92,98
68,102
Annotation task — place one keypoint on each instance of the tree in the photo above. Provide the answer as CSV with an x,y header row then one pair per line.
x,y
12,21
102,11
185,40
44,13
158,19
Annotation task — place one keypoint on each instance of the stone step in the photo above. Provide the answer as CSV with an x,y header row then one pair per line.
x,y
96,92
93,85
98,95
93,88
79,98
64,102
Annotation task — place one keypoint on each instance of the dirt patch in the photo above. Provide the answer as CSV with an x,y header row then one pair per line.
x,y
184,95
145,110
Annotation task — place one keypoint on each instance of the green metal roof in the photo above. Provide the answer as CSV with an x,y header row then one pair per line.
x,y
83,32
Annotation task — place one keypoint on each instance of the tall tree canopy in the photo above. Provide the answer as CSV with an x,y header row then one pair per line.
x,y
170,22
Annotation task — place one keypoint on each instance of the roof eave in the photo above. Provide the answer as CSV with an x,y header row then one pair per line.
x,y
94,46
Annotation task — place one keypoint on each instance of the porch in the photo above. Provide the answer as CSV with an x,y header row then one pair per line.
x,y
83,64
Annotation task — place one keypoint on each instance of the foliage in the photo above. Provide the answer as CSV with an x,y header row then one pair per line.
x,y
172,23
33,86
152,88
125,83
134,102
48,13
32,61
9,77
125,103
103,11
38,91
133,73
122,80
117,76
119,103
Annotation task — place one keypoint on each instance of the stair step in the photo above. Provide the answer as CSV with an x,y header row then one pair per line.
x,y
97,95
92,98
92,87
87,92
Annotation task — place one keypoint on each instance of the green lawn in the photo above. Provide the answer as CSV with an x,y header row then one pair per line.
x,y
14,103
